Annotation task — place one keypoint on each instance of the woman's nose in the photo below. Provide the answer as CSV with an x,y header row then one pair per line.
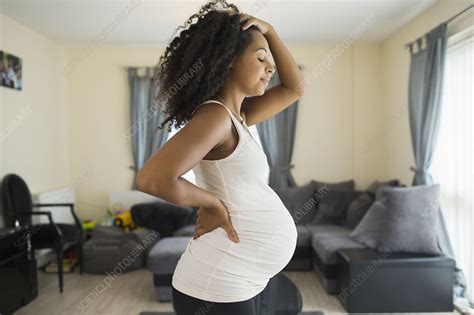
x,y
271,69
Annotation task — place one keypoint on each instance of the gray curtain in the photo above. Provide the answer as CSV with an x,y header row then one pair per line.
x,y
425,91
277,135
145,117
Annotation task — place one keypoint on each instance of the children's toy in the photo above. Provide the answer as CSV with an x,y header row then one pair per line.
x,y
124,220
88,225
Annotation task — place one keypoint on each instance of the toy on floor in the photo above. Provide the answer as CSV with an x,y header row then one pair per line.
x,y
124,220
89,225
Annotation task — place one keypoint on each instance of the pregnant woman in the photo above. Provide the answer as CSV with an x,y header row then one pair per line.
x,y
213,79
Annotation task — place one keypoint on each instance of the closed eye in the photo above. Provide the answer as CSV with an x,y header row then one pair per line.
x,y
261,60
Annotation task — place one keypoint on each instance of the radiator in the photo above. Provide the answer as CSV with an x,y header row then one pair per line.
x,y
59,214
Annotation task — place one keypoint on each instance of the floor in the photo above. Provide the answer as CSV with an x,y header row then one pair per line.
x,y
133,292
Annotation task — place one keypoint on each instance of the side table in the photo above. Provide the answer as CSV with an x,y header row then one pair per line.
x,y
378,282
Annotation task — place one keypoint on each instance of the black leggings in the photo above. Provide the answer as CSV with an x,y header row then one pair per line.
x,y
187,305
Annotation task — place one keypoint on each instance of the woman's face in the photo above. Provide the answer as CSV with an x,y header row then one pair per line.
x,y
252,70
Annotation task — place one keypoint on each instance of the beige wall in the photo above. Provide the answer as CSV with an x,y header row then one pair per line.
x,y
99,115
337,114
398,154
331,120
352,121
34,122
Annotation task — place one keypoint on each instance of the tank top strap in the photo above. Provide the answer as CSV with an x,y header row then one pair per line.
x,y
239,125
228,110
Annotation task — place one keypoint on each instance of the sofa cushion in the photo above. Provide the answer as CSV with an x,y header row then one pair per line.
x,y
300,201
333,206
162,216
371,229
187,230
324,248
412,219
376,186
327,245
316,229
357,209
164,256
304,236
344,185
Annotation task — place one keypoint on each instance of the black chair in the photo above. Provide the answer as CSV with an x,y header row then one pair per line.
x,y
18,207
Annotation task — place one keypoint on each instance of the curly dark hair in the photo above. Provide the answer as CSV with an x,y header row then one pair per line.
x,y
196,63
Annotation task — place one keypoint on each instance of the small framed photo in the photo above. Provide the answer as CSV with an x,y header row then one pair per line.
x,y
10,71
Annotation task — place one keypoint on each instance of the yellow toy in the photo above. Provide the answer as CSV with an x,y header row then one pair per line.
x,y
88,225
124,220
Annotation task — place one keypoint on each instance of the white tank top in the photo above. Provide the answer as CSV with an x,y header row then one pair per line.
x,y
214,268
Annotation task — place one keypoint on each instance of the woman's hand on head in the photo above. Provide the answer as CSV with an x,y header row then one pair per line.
x,y
250,20
210,218
263,26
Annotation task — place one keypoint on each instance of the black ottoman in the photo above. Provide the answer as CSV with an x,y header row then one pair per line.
x,y
280,297
382,282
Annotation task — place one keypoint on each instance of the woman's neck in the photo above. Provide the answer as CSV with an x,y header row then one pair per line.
x,y
231,99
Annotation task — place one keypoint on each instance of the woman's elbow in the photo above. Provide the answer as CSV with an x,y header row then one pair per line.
x,y
155,186
143,183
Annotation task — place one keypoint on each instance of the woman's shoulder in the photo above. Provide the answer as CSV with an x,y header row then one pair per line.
x,y
211,105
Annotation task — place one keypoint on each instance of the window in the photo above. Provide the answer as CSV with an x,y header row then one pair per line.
x,y
453,161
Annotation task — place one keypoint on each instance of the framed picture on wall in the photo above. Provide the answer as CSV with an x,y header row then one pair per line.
x,y
10,71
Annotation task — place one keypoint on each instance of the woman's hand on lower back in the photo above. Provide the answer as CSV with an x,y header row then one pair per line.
x,y
210,218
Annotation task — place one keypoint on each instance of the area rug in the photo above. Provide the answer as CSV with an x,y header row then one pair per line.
x,y
172,313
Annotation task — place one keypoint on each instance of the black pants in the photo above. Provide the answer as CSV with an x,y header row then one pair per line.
x,y
187,305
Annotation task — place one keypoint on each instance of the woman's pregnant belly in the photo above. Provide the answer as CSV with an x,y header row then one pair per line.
x,y
267,243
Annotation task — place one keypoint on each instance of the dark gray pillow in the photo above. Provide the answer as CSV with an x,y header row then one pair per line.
x,y
321,187
371,229
162,216
376,186
333,206
413,218
300,201
357,209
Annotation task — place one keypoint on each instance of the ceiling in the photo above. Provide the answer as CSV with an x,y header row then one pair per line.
x,y
153,22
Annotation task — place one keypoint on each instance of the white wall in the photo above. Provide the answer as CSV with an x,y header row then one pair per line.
x,y
35,121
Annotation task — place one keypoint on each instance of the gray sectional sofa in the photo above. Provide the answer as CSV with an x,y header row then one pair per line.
x,y
326,216
320,244
318,238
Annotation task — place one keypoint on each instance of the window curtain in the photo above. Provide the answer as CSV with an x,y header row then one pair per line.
x,y
145,117
453,166
425,91
277,135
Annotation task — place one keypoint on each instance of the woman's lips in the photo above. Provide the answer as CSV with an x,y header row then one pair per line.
x,y
265,81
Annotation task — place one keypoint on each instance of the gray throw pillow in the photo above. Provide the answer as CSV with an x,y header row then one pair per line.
x,y
412,218
371,229
333,206
357,209
322,187
300,201
376,186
